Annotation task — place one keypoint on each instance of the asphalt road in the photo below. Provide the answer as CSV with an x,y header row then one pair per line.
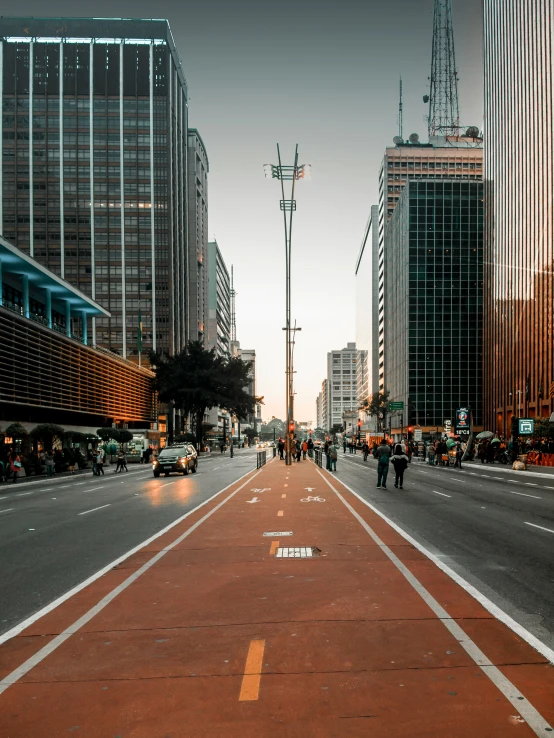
x,y
492,526
56,533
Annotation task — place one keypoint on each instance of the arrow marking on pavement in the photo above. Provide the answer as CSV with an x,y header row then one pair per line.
x,y
254,499
309,489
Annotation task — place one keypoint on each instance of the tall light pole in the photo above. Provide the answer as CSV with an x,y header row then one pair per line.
x,y
288,174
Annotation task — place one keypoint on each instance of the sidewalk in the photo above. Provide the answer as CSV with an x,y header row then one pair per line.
x,y
213,629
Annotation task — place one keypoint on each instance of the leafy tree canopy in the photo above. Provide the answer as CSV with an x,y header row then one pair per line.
x,y
47,432
16,430
377,404
197,380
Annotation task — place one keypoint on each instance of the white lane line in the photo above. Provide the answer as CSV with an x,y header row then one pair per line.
x,y
531,484
8,510
440,493
23,494
528,712
17,629
541,527
78,483
522,494
94,509
469,588
45,651
91,489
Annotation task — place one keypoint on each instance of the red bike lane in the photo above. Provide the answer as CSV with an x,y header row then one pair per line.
x,y
212,630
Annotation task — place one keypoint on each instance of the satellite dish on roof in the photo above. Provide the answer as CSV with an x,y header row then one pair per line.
x,y
414,138
472,132
398,140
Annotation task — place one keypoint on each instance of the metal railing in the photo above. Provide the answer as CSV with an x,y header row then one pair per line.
x,y
260,459
318,457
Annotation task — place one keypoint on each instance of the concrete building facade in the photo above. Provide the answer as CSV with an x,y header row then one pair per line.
x,y
219,302
93,168
341,383
198,168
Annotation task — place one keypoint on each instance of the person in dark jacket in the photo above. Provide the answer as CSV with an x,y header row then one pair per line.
x,y
400,462
384,453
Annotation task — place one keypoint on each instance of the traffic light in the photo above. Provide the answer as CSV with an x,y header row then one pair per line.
x,y
291,426
359,424
410,433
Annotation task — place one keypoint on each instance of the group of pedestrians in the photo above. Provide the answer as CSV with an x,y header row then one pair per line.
x,y
385,456
299,449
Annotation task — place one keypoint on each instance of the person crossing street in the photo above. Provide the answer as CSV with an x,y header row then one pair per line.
x,y
384,452
400,463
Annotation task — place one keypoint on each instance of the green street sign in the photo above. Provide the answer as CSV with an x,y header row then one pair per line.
x,y
395,406
526,426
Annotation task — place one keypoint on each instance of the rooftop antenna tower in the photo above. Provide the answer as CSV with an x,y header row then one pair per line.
x,y
400,120
444,112
233,316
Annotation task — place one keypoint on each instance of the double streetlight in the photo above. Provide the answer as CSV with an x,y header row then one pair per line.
x,y
288,174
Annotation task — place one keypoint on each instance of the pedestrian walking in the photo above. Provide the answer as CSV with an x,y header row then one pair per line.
x,y
281,447
344,445
310,448
384,452
94,459
71,460
50,471
298,450
15,465
459,454
365,450
327,455
100,461
121,463
304,449
333,455
400,463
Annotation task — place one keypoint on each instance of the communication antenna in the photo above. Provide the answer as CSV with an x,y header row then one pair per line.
x,y
444,111
233,317
400,120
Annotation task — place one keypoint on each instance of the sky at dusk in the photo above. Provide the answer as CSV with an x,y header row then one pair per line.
x,y
323,74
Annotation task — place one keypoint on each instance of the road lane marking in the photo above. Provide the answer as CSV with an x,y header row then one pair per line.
x,y
23,494
250,687
531,715
274,545
50,647
541,527
522,494
94,509
8,510
280,513
440,493
283,497
531,484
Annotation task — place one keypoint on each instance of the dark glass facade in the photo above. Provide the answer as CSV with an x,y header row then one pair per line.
x,y
93,168
433,301
519,211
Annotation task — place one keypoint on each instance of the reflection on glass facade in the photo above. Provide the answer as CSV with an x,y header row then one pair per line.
x,y
93,167
519,210
367,310
433,301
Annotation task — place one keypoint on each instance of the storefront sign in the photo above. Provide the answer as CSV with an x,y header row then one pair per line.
x,y
526,426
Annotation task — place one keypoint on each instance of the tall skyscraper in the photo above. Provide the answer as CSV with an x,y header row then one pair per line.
x,y
198,168
367,309
434,302
93,168
451,157
519,211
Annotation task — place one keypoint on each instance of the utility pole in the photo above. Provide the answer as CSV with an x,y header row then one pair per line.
x,y
444,110
288,206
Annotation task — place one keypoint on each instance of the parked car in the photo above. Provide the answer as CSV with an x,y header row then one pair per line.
x,y
180,458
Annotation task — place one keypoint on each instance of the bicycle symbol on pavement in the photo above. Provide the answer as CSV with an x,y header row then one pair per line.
x,y
313,499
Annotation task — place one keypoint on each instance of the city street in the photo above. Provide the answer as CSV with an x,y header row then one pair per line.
x,y
56,533
493,527
284,606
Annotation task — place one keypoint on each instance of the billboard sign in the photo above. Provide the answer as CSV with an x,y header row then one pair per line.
x,y
462,424
526,426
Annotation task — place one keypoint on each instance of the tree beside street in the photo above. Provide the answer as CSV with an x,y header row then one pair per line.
x,y
196,380
377,405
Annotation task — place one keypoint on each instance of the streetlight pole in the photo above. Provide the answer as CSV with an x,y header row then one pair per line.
x,y
292,174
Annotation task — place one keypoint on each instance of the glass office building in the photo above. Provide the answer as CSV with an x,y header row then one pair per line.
x,y
433,301
519,211
93,168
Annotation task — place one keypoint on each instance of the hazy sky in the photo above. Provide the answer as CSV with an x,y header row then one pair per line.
x,y
323,74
